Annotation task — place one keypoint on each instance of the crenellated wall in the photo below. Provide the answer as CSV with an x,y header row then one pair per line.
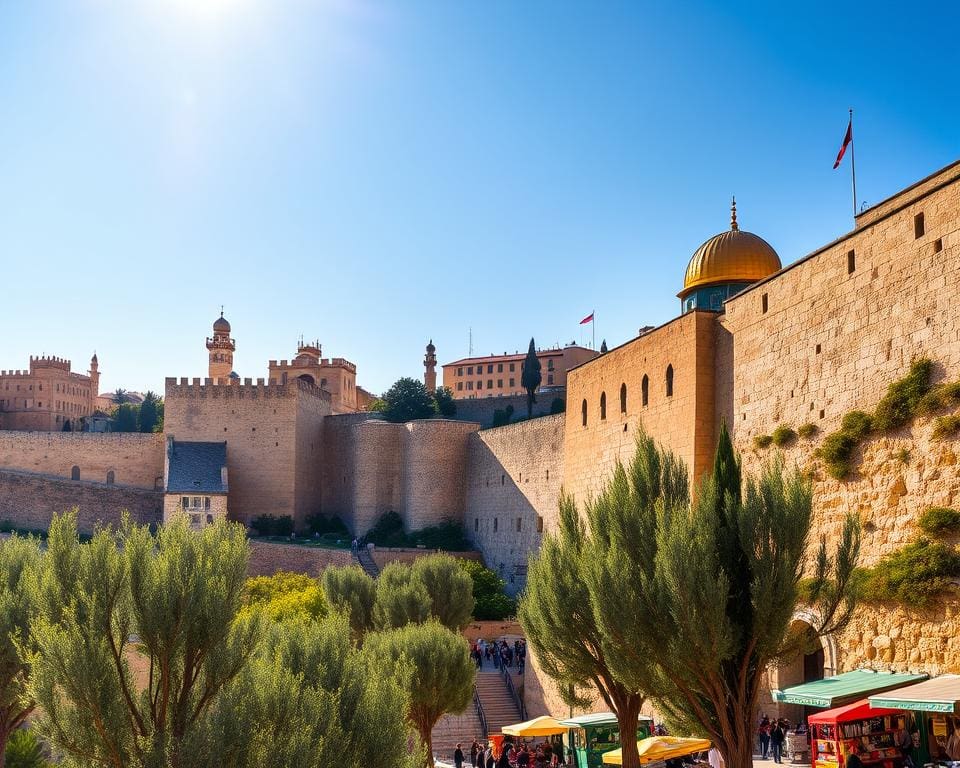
x,y
274,435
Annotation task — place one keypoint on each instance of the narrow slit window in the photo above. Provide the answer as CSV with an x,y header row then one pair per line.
x,y
764,303
918,227
851,262
669,381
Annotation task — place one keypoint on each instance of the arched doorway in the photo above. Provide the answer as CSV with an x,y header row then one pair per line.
x,y
812,658
307,378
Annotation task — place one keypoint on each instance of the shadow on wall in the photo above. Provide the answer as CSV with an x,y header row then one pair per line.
x,y
500,519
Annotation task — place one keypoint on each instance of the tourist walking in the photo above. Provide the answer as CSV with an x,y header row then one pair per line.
x,y
474,748
763,732
458,756
777,736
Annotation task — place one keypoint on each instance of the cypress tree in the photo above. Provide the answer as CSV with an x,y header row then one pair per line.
x,y
531,378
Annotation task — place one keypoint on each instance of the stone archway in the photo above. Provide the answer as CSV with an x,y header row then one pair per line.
x,y
307,378
815,659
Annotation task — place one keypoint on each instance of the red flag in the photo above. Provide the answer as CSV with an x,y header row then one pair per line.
x,y
587,319
847,138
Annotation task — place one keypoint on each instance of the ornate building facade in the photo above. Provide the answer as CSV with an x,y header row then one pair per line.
x,y
48,396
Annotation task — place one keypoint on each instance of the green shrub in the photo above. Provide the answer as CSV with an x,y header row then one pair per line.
x,y
857,424
559,405
24,750
903,456
502,417
912,575
268,525
903,397
938,521
762,441
808,430
448,535
388,532
783,435
939,398
836,450
323,525
491,602
946,427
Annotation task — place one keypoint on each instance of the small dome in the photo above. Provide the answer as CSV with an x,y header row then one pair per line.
x,y
730,257
430,348
221,324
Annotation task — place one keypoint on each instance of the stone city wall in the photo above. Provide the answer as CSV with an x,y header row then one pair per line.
x,y
268,558
361,470
30,501
433,471
268,432
481,409
514,475
385,555
135,459
683,421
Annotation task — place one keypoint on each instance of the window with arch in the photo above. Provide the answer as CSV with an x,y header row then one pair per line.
x,y
623,398
583,412
670,380
603,406
110,477
645,390
75,473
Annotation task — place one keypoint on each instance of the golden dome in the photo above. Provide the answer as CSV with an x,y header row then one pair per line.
x,y
734,256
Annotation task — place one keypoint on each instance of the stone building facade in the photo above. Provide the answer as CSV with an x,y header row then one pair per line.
x,y
48,396
500,375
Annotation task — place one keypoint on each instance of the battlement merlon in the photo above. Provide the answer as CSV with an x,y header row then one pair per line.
x,y
204,388
326,362
58,363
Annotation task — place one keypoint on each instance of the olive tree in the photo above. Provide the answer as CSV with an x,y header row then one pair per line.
x,y
19,558
440,676
167,605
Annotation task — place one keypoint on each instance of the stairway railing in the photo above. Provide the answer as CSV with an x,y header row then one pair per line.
x,y
479,707
517,698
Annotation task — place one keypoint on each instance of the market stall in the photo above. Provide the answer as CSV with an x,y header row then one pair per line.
x,y
937,704
857,729
659,748
550,730
592,735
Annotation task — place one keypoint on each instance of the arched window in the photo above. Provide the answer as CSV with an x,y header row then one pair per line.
x,y
603,405
110,477
645,391
583,412
75,473
623,398
670,381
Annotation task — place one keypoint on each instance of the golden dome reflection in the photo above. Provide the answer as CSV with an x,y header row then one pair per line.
x,y
734,256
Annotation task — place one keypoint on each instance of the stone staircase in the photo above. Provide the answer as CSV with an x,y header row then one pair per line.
x,y
499,708
451,729
366,562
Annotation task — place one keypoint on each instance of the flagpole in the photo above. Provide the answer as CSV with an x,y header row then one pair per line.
x,y
853,168
593,331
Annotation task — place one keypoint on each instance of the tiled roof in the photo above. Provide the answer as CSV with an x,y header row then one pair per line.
x,y
196,467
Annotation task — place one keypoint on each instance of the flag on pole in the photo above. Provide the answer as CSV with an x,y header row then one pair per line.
x,y
847,138
587,319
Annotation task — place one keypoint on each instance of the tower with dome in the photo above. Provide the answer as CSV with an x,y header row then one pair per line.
x,y
221,348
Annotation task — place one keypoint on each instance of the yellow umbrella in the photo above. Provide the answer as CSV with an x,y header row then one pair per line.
x,y
656,748
539,726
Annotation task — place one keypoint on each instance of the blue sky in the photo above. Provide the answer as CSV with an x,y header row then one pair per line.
x,y
376,173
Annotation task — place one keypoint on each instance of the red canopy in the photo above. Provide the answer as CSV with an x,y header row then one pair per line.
x,y
859,710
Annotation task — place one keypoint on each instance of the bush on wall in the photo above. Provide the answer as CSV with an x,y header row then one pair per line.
x,y
938,521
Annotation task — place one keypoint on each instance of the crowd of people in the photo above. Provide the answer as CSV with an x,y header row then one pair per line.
x,y
500,652
772,735
545,755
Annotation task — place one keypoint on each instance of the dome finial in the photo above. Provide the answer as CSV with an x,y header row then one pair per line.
x,y
733,214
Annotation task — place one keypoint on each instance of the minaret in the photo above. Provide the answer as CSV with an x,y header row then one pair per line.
x,y
221,348
94,373
430,363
